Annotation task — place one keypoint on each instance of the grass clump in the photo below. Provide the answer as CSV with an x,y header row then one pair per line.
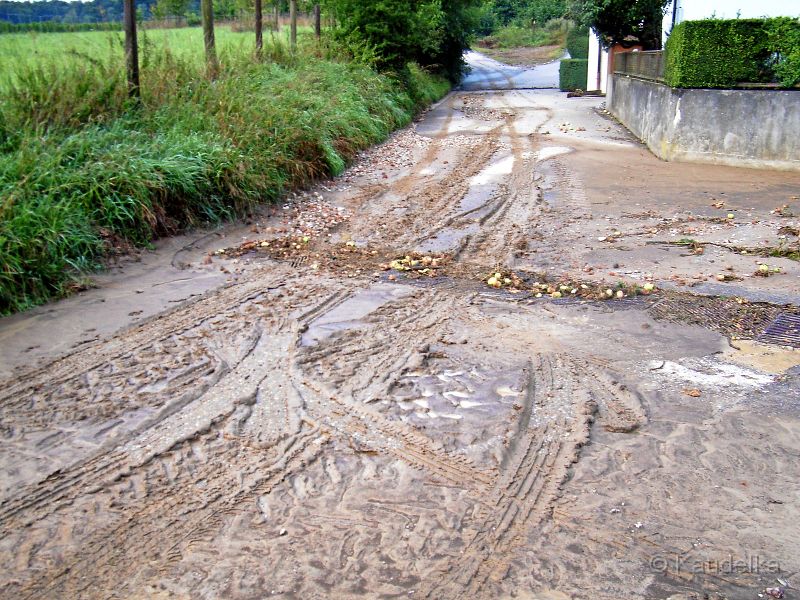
x,y
82,170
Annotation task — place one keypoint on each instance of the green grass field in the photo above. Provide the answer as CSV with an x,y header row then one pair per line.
x,y
82,167
19,51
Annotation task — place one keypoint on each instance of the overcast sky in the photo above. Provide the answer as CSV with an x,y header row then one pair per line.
x,y
727,9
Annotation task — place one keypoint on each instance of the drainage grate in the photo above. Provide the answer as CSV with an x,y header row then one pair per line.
x,y
784,331
725,315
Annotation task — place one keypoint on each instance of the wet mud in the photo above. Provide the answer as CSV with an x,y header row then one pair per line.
x,y
329,423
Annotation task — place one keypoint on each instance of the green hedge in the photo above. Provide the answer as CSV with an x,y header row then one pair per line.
x,y
572,74
721,53
578,43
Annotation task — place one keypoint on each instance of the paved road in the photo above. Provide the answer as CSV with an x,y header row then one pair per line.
x,y
489,74
360,414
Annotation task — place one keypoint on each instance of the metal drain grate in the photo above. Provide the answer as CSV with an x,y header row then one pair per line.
x,y
784,331
725,315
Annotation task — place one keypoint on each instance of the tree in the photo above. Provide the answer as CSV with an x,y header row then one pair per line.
x,y
170,8
317,21
524,12
623,21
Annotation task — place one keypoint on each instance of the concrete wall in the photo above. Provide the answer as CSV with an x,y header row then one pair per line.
x,y
750,128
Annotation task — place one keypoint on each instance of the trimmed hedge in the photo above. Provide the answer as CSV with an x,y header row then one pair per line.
x,y
578,43
721,53
572,74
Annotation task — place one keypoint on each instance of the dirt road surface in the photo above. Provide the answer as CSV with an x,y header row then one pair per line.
x,y
329,401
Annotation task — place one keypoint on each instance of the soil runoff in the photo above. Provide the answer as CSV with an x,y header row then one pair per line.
x,y
356,414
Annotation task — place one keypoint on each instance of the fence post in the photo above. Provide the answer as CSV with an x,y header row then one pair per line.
x,y
259,28
131,48
207,8
317,21
293,22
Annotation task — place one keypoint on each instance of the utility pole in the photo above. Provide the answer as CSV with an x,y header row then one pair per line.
x,y
293,22
317,21
212,65
131,48
259,28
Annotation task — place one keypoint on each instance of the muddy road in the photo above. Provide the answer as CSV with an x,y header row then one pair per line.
x,y
331,402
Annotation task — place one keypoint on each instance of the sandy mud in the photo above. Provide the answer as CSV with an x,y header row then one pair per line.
x,y
329,401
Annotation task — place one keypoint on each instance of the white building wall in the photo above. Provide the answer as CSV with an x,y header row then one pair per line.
x,y
595,80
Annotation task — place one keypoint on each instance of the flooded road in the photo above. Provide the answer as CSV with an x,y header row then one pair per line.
x,y
350,411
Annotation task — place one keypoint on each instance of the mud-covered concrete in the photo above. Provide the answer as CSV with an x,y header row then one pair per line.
x,y
750,128
309,421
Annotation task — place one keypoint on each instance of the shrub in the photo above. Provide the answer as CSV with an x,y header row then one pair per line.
x,y
572,74
578,42
431,33
721,53
514,36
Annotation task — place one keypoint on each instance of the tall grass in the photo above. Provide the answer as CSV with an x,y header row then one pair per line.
x,y
80,167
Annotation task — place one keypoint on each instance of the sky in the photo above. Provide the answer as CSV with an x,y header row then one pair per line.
x,y
727,9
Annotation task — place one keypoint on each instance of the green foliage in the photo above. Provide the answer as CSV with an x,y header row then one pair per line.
x,y
716,53
78,177
572,74
524,12
622,21
56,26
513,36
783,40
58,11
578,42
485,19
429,32
170,8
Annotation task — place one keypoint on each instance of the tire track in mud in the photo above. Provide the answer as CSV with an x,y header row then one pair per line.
x,y
525,491
398,333
172,322
513,500
243,396
216,333
511,216
173,481
184,507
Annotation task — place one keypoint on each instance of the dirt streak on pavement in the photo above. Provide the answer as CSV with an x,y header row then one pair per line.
x,y
311,420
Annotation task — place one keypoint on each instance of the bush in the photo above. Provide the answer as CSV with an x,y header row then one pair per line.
x,y
572,74
514,36
431,33
721,53
578,43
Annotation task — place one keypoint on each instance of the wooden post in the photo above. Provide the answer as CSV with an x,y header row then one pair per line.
x,y
212,65
293,22
277,17
317,21
259,28
131,48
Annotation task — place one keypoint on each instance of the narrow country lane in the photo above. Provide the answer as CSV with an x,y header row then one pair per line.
x,y
348,410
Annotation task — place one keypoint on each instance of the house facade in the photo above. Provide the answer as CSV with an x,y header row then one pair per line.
x,y
689,10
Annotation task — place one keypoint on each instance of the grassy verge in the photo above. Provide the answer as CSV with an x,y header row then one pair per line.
x,y
81,169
